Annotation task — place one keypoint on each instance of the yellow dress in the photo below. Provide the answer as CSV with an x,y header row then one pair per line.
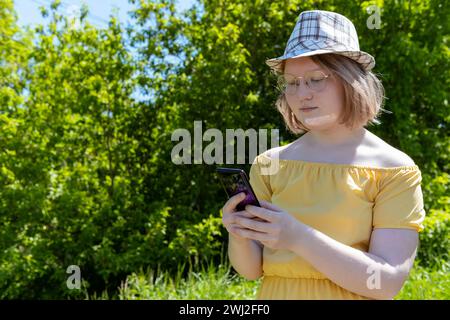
x,y
345,202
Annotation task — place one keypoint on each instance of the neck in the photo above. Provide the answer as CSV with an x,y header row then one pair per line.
x,y
336,137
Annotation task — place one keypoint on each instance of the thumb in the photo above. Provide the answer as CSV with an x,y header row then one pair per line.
x,y
269,206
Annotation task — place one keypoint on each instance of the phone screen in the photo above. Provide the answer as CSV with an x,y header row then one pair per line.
x,y
236,181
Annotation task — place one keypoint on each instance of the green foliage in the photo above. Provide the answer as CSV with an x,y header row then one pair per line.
x,y
74,169
426,284
206,283
86,117
434,248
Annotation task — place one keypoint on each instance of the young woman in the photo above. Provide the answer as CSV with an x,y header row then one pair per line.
x,y
342,211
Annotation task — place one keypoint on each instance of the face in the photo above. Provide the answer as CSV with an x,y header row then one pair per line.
x,y
329,101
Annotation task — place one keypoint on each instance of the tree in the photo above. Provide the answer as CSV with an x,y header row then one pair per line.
x,y
87,117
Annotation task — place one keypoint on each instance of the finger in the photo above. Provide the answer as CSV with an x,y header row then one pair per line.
x,y
254,225
232,215
231,204
261,213
230,218
269,206
232,229
250,234
245,214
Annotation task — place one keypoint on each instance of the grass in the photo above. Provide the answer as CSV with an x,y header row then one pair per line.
x,y
221,283
212,283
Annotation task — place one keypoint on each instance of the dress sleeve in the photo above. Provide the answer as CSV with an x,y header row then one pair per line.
x,y
259,182
399,203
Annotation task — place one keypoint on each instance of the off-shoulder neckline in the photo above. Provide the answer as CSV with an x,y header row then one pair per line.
x,y
343,165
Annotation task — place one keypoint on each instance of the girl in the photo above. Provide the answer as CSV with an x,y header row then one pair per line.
x,y
342,211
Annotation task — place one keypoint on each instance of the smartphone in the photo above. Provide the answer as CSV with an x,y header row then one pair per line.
x,y
236,181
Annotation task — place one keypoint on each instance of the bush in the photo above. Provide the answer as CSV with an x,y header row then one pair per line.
x,y
434,248
427,284
86,175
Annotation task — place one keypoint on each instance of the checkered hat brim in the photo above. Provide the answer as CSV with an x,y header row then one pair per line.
x,y
319,32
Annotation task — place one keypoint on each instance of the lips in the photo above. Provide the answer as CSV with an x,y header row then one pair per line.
x,y
308,108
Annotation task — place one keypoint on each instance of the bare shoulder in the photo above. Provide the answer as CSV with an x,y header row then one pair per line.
x,y
397,158
390,156
275,152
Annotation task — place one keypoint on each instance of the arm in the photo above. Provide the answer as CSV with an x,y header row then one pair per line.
x,y
379,273
245,256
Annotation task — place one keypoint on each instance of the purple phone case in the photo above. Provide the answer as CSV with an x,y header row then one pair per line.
x,y
236,181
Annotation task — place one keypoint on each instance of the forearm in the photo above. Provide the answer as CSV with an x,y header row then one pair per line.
x,y
246,257
348,267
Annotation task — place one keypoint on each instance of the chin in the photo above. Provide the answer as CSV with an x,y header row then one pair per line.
x,y
320,121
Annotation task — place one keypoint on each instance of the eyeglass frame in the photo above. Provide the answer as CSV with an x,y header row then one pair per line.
x,y
326,76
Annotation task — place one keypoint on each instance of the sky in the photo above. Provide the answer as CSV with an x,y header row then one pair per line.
x,y
28,14
99,10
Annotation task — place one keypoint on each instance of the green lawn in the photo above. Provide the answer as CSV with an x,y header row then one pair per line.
x,y
212,283
217,283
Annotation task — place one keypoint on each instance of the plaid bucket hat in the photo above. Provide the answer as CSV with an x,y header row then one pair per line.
x,y
319,32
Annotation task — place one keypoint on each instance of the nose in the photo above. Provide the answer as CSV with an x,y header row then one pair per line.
x,y
303,92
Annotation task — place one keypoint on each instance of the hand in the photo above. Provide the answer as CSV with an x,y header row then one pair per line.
x,y
229,215
280,230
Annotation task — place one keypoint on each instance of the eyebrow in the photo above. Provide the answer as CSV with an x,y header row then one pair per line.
x,y
317,69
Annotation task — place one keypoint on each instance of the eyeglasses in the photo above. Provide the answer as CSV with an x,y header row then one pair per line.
x,y
315,80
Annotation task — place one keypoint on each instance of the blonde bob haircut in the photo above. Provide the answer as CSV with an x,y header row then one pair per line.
x,y
363,94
